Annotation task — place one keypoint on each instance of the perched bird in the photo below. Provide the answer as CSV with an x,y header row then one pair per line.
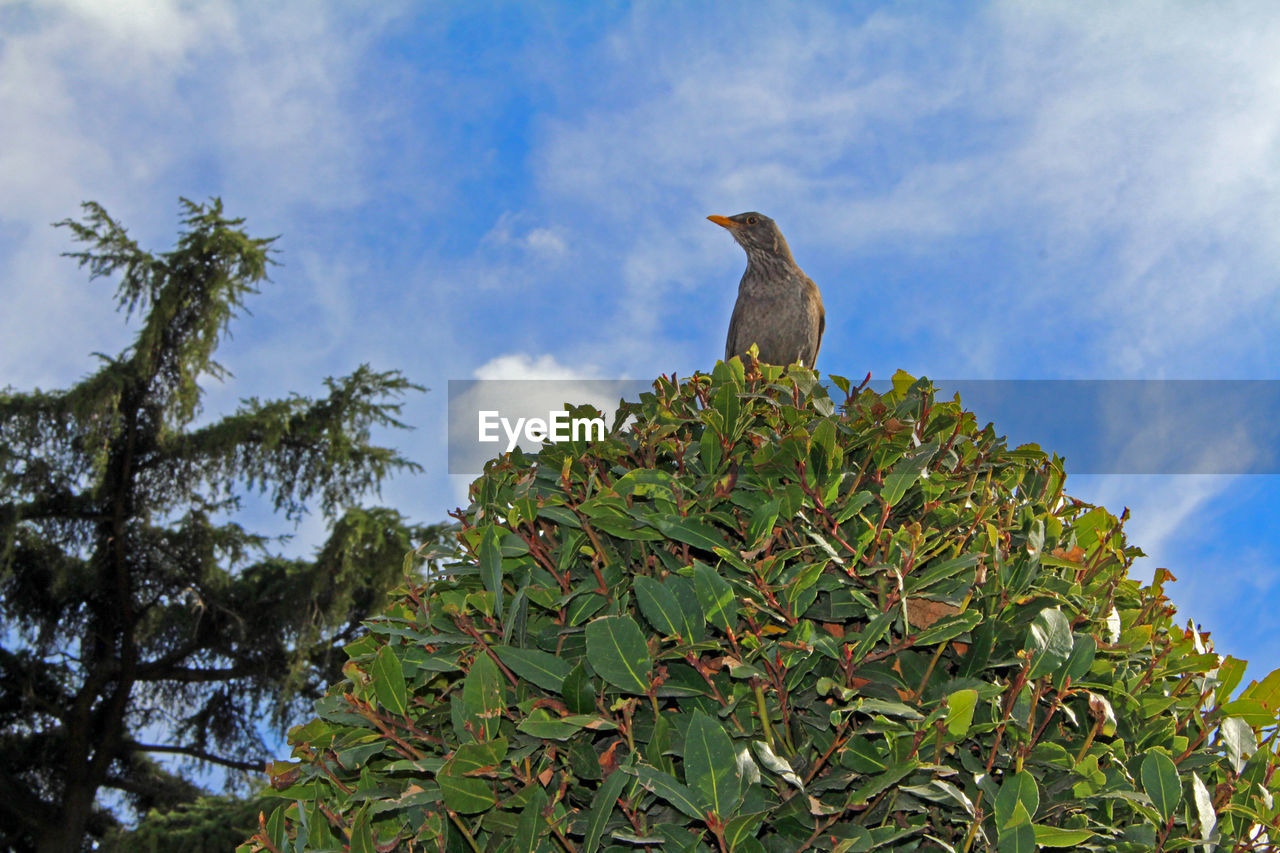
x,y
779,309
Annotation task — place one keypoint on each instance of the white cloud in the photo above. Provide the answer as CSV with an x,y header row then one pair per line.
x,y
524,366
134,103
542,241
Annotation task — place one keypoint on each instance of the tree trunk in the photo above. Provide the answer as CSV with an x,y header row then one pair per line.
x,y
66,835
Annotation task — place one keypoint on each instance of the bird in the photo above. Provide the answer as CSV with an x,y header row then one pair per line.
x,y
779,308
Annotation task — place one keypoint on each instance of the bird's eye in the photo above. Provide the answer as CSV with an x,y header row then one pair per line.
x,y
751,220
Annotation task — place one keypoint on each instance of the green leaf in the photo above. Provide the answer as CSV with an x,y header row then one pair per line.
x,y
1053,836
774,764
560,515
710,765
1083,650
948,627
483,695
276,829
470,757
824,438
1266,691
1160,781
762,521
646,483
362,834
617,651
917,581
689,531
864,755
1230,673
668,788
1251,711
388,681
871,635
687,596
464,794
578,691
1050,641
853,506
659,742
729,406
1240,741
584,606
743,828
889,708
906,471
531,824
1204,807
960,705
660,607
715,595
1018,789
543,669
892,776
709,447
542,725
605,800
1017,837
490,554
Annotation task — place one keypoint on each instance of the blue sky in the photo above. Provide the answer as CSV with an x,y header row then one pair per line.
x,y
1002,190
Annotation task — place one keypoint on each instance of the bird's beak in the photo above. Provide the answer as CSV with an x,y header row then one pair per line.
x,y
722,221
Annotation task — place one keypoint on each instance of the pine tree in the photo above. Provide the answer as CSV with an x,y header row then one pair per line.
x,y
137,617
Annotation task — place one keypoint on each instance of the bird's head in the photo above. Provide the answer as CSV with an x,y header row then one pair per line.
x,y
756,233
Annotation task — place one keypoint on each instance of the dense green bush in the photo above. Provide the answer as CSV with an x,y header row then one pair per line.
x,y
206,824
754,620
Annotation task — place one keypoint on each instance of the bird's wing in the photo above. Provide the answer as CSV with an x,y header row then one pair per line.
x,y
822,320
731,341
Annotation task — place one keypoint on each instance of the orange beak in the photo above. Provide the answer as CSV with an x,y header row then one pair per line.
x,y
722,221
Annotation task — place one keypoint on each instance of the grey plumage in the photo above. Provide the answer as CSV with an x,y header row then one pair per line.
x,y
779,308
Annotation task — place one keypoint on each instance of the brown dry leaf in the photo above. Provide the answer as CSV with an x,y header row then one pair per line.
x,y
834,629
609,761
819,808
1075,555
282,774
923,612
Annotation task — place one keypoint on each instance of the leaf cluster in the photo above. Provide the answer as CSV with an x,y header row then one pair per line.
x,y
753,619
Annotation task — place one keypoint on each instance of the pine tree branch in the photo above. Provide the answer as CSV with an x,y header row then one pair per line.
x,y
193,752
20,806
189,675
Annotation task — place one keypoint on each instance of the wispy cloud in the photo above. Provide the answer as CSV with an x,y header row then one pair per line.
x,y
1132,149
134,106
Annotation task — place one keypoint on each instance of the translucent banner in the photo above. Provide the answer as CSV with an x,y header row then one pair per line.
x,y
1120,426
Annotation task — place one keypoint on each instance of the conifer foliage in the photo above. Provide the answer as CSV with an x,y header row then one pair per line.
x,y
758,619
137,618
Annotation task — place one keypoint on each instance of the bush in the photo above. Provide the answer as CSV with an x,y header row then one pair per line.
x,y
750,622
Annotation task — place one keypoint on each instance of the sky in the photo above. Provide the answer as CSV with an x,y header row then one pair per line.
x,y
501,191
